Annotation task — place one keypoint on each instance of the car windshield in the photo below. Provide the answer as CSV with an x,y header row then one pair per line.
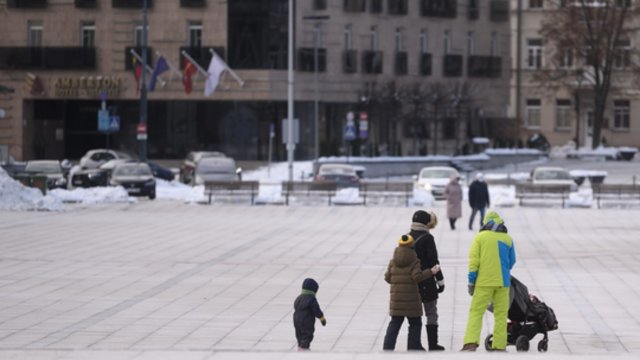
x,y
552,175
216,166
337,170
132,170
48,167
124,155
207,154
437,173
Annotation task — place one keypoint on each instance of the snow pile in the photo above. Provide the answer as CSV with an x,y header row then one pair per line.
x,y
176,190
96,195
270,192
302,170
347,196
15,196
581,198
562,151
421,197
502,196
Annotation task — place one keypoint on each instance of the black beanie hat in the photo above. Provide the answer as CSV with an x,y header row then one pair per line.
x,y
310,284
421,217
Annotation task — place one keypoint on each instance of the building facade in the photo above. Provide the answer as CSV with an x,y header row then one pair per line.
x,y
427,75
563,111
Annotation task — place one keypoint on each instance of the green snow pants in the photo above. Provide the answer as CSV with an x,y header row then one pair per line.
x,y
482,296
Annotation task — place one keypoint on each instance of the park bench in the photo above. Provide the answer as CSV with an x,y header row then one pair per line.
x,y
309,188
542,191
615,192
402,189
231,188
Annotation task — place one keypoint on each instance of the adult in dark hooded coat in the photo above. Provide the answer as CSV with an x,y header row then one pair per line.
x,y
478,199
425,247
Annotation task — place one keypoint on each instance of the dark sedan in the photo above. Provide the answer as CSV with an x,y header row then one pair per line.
x,y
90,178
136,178
342,174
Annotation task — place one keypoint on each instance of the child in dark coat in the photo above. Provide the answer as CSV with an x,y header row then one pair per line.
x,y
306,311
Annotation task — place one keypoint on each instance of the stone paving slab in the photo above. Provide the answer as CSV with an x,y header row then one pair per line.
x,y
164,280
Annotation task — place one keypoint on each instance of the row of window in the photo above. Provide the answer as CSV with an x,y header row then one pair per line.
x,y
564,58
564,113
499,9
126,4
539,4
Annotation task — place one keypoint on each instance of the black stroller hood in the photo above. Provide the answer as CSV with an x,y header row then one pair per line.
x,y
519,300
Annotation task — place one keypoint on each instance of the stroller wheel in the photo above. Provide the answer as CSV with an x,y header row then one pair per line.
x,y
543,345
488,342
522,343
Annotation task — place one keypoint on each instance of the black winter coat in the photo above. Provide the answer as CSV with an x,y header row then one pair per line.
x,y
425,247
478,194
306,311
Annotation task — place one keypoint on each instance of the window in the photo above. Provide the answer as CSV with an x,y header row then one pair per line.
x,y
473,11
398,7
471,43
563,113
494,44
424,41
565,58
446,39
621,114
373,38
376,6
88,34
34,37
348,37
534,53
622,55
317,35
319,4
399,40
535,4
194,29
532,119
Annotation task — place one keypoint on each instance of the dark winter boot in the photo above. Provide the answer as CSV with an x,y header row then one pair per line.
x,y
432,336
413,339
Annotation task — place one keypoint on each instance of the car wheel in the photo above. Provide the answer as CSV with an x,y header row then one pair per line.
x,y
152,195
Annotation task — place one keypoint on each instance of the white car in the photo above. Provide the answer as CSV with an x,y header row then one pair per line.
x,y
94,158
216,169
552,176
435,178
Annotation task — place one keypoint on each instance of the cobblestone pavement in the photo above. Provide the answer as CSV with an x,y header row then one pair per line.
x,y
165,280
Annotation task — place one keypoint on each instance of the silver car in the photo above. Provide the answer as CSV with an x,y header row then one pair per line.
x,y
49,168
94,158
216,169
136,178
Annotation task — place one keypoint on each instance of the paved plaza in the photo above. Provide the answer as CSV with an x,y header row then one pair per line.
x,y
166,280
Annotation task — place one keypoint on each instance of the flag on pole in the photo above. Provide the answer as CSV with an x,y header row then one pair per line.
x,y
216,67
161,66
187,73
137,72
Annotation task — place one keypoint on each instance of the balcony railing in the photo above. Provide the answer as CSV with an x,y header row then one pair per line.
x,y
495,66
439,8
350,61
499,10
354,5
202,55
398,7
193,3
130,4
372,62
26,4
306,59
48,58
401,65
425,64
86,4
128,57
452,65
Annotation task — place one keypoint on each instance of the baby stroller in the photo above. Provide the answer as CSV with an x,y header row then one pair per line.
x,y
528,316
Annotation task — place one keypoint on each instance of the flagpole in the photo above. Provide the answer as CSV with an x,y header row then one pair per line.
x,y
195,63
233,73
290,145
142,126
147,67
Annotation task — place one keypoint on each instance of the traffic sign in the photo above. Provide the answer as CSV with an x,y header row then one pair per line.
x,y
363,125
103,120
349,132
114,123
142,131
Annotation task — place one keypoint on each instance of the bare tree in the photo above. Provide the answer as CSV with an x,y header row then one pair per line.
x,y
588,40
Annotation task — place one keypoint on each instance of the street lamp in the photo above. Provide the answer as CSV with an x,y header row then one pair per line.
x,y
142,126
316,110
290,145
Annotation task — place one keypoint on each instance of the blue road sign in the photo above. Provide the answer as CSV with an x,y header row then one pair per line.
x,y
103,120
114,123
349,132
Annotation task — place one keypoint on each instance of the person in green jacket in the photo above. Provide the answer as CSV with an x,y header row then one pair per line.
x,y
491,259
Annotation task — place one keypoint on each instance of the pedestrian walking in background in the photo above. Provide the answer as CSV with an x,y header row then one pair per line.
x,y
453,193
478,199
404,274
491,259
425,247
306,311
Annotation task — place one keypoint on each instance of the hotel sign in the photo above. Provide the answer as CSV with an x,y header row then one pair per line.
x,y
89,86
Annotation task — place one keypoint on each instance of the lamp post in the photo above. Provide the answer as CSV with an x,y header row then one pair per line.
x,y
316,106
142,126
579,76
290,145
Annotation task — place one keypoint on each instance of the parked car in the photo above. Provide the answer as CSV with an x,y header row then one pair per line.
x,y
434,179
188,166
552,176
344,175
216,169
49,168
161,172
85,178
94,158
136,178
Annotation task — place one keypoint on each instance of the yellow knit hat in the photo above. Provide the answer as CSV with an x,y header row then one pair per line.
x,y
406,240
